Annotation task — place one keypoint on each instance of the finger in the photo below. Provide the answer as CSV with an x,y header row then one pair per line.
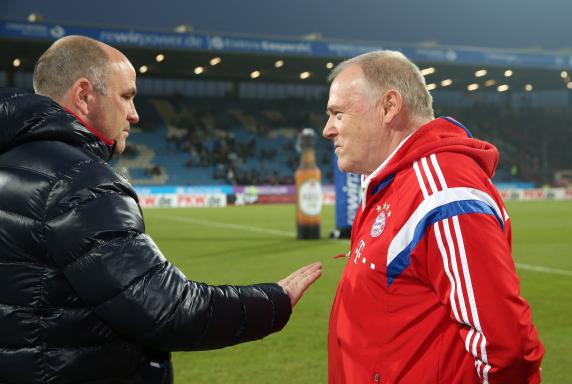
x,y
298,277
307,268
297,287
296,283
302,271
309,279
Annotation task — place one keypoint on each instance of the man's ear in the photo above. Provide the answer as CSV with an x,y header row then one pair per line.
x,y
82,95
391,105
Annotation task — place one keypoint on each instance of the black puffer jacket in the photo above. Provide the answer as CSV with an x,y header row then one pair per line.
x,y
85,294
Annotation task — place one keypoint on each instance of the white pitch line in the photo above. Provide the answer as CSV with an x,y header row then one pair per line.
x,y
277,232
553,271
238,227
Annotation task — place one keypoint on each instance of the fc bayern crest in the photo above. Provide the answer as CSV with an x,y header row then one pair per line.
x,y
379,224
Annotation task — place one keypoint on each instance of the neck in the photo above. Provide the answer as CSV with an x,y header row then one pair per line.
x,y
410,125
418,122
399,132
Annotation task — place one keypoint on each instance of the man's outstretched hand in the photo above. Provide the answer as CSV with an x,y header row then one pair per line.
x,y
299,281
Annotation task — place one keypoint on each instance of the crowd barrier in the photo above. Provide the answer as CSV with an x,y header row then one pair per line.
x,y
537,194
222,196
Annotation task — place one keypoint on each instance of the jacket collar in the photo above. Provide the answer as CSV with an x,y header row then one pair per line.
x,y
443,134
27,117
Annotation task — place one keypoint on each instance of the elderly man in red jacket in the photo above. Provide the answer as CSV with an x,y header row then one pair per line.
x,y
430,292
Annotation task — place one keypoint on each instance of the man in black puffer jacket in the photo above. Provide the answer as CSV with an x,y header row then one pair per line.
x,y
85,294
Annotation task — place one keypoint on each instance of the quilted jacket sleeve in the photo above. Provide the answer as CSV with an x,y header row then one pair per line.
x,y
95,233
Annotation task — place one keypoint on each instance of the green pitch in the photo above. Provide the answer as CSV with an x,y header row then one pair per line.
x,y
243,245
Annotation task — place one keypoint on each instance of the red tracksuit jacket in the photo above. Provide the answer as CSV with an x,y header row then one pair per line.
x,y
430,292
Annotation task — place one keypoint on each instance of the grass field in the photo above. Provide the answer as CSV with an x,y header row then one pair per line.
x,y
243,245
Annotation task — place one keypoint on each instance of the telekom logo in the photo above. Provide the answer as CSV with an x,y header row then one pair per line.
x,y
359,250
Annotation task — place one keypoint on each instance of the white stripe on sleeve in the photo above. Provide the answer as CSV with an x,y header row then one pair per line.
x,y
471,297
438,171
441,246
420,179
429,175
468,339
455,268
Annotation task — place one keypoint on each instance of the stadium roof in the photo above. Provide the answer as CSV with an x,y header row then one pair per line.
x,y
240,58
484,23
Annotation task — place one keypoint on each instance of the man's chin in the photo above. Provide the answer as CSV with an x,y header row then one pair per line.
x,y
342,166
348,168
119,146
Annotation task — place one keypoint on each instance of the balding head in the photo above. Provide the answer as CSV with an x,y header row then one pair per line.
x,y
384,70
69,59
92,80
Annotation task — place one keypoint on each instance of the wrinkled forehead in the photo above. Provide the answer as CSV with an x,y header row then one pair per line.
x,y
122,64
350,83
118,61
122,72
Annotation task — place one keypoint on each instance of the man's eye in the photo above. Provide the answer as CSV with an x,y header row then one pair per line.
x,y
338,116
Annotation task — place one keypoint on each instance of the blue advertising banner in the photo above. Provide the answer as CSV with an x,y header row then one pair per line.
x,y
348,196
326,49
194,190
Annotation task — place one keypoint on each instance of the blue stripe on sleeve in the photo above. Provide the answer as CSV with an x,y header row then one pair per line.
x,y
455,208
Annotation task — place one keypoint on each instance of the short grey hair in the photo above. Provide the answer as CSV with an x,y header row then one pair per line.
x,y
68,60
385,70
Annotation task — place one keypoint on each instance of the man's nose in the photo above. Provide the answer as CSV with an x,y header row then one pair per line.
x,y
133,117
329,131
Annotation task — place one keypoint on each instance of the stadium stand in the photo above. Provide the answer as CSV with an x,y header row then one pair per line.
x,y
217,141
183,141
205,123
534,142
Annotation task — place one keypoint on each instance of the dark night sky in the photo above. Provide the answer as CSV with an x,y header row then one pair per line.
x,y
484,23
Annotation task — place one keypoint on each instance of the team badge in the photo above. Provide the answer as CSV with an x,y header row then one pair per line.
x,y
379,225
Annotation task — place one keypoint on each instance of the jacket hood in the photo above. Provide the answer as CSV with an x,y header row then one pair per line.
x,y
27,117
443,134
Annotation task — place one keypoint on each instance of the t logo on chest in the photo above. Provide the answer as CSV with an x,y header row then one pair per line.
x,y
358,254
359,250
